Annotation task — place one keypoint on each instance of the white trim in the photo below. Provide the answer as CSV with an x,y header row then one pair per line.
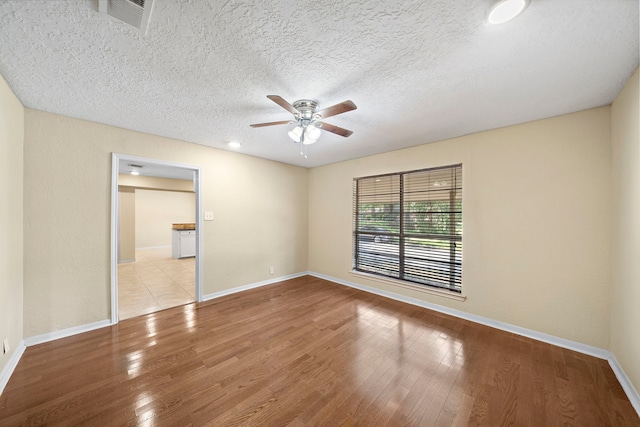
x,y
126,261
253,285
197,186
64,333
539,336
197,182
8,369
443,293
115,224
625,382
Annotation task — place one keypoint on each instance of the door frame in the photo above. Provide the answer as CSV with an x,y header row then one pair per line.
x,y
115,222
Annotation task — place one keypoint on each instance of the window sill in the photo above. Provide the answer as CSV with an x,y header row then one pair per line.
x,y
399,283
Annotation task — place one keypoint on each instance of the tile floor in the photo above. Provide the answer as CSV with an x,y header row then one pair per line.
x,y
155,282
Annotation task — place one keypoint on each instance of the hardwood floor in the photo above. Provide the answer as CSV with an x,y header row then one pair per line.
x,y
309,352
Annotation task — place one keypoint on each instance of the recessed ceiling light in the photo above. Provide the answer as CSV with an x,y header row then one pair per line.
x,y
135,172
505,10
234,144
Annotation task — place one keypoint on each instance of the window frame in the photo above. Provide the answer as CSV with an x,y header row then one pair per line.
x,y
454,238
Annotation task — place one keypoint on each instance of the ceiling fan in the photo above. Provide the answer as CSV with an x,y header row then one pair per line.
x,y
308,119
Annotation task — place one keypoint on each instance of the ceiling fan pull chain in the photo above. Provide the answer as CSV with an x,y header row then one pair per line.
x,y
303,148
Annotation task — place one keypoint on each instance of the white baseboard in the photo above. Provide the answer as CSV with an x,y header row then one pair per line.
x,y
625,382
63,333
252,286
539,336
8,369
125,261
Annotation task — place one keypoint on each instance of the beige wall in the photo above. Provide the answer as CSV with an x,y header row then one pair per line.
x,y
260,210
536,222
156,210
11,218
153,224
625,296
127,230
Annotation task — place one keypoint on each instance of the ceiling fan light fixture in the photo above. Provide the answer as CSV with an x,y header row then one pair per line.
x,y
312,132
296,133
307,118
308,141
505,10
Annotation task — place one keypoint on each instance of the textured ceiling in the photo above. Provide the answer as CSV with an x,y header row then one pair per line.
x,y
419,71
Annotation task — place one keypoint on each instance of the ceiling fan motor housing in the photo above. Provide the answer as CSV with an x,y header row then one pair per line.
x,y
306,107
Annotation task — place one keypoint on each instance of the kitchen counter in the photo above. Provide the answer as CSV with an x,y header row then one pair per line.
x,y
184,226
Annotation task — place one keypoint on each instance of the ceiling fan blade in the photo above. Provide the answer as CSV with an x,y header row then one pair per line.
x,y
334,110
259,125
284,104
335,129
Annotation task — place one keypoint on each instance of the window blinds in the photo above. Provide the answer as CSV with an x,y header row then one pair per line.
x,y
408,226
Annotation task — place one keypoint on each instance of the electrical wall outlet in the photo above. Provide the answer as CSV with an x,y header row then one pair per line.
x,y
5,346
208,216
272,270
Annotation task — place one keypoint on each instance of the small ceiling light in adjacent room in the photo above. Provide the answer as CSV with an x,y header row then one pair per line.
x,y
505,10
135,168
234,144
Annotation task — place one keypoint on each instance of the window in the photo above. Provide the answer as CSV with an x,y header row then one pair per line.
x,y
408,226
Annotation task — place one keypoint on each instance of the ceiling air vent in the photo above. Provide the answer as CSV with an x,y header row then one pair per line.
x,y
133,12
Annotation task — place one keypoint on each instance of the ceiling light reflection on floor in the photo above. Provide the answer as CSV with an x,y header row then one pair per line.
x,y
190,318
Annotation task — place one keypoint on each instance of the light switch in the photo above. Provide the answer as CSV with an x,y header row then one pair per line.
x,y
208,216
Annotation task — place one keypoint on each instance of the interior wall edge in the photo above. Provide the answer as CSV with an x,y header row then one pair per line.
x,y
12,130
625,382
624,340
11,364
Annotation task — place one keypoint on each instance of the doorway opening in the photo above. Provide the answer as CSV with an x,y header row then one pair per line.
x,y
150,270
